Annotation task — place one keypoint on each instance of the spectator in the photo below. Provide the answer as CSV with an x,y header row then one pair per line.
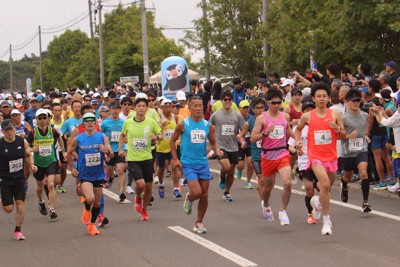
x,y
391,68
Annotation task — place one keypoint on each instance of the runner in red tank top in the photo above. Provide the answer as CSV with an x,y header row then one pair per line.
x,y
325,126
294,109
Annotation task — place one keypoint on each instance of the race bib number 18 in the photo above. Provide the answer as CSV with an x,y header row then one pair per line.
x,y
356,144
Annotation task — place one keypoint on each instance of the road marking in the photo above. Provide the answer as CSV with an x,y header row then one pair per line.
x,y
114,196
339,203
213,247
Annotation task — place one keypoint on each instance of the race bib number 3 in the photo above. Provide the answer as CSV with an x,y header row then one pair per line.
x,y
356,144
197,136
277,133
140,143
228,129
115,136
92,159
44,151
323,137
15,165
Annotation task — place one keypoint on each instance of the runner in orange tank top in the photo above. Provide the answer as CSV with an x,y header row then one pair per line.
x,y
325,126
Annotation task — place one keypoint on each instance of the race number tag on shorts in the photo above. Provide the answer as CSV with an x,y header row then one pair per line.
x,y
356,144
197,136
15,165
44,151
323,137
277,133
228,129
115,136
168,134
258,143
247,135
140,143
92,159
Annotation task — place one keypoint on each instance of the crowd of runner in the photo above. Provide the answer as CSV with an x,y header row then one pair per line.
x,y
311,126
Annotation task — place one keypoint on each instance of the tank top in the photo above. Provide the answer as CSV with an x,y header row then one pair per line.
x,y
274,144
294,115
321,139
90,158
46,154
193,144
168,130
20,130
12,159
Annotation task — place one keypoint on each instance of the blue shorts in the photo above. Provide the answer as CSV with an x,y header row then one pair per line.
x,y
396,167
379,141
195,172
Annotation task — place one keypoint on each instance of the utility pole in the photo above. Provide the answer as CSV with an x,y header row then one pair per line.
x,y
205,42
11,70
265,41
101,46
40,59
144,41
91,19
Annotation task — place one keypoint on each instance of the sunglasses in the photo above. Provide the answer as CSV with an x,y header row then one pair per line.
x,y
42,118
259,107
151,100
275,102
87,100
105,110
227,99
355,100
126,104
89,119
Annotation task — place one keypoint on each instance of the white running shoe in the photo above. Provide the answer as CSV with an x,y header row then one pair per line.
x,y
155,180
283,217
317,207
326,227
394,188
267,212
129,190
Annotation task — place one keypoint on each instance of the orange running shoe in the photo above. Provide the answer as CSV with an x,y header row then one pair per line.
x,y
311,219
138,204
83,199
92,229
85,216
143,215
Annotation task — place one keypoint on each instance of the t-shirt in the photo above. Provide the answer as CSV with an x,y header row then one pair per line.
x,y
112,129
353,147
302,160
150,113
255,147
218,105
227,126
139,141
69,125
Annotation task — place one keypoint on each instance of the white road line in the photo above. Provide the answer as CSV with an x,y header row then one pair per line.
x,y
213,247
114,196
339,203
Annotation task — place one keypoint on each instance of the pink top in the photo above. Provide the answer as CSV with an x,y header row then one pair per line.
x,y
274,144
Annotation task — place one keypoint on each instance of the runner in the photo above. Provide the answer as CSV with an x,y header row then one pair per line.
x,y
13,152
325,125
193,163
91,147
272,127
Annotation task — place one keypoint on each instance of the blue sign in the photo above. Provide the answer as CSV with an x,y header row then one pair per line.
x,y
174,76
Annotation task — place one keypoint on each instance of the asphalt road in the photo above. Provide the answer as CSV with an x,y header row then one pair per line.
x,y
237,233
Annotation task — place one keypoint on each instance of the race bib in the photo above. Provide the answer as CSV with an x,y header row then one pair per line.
x,y
228,129
168,134
197,136
277,133
323,137
15,165
93,159
258,143
115,136
247,135
44,151
34,122
140,143
356,144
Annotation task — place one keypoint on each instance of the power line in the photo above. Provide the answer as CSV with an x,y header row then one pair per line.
x,y
51,32
27,41
127,4
26,44
66,23
4,53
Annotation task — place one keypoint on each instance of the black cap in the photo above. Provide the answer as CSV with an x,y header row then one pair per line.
x,y
115,104
296,90
307,104
7,124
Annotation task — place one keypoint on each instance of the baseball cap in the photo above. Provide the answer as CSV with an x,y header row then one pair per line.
x,y
165,102
175,104
262,81
68,96
56,101
41,111
391,64
385,94
38,91
94,102
180,95
5,103
307,104
141,95
18,96
103,108
15,111
115,104
161,98
89,115
244,103
295,91
7,124
287,82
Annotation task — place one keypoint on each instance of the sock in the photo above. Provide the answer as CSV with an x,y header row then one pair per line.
x,y
102,205
326,218
46,190
308,204
87,206
365,188
17,229
95,214
343,183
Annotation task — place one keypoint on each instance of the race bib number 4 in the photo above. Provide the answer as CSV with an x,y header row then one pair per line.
x,y
323,137
277,133
356,144
44,151
115,136
228,129
197,136
15,165
140,143
168,134
92,159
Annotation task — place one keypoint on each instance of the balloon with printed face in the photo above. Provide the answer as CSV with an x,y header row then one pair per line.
x,y
174,76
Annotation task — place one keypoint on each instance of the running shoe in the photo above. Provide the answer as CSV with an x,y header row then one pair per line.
x,y
317,207
239,174
19,236
227,197
161,191
138,204
249,185
110,182
143,215
267,212
283,217
344,193
355,178
380,186
92,229
129,190
221,182
122,197
85,216
42,208
187,205
61,189
394,188
177,193
392,182
102,221
326,227
168,174
293,177
366,207
156,180
199,228
311,219
52,214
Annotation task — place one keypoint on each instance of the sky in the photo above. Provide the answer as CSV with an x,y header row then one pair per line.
x,y
20,19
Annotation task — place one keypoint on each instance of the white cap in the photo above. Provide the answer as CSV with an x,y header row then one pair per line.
x,y
161,98
41,111
18,96
395,95
306,91
68,96
7,95
105,94
90,92
15,111
96,94
38,91
89,115
165,102
287,82
141,95
283,79
180,95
